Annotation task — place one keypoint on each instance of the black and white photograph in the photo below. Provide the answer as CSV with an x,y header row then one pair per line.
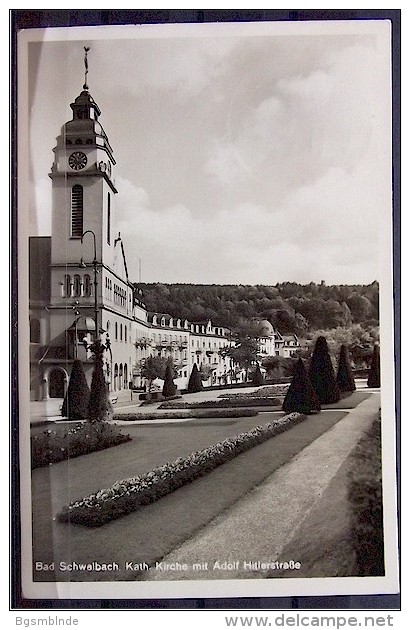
x,y
206,319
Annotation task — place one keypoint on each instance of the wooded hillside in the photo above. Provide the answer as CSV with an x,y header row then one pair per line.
x,y
289,306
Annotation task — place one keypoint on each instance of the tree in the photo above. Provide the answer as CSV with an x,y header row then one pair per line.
x,y
153,368
322,375
195,381
75,405
360,307
245,350
301,395
279,367
99,407
373,379
344,377
257,378
169,388
206,371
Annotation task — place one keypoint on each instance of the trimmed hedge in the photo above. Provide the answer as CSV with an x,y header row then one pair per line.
x,y
51,446
223,403
158,398
183,414
127,495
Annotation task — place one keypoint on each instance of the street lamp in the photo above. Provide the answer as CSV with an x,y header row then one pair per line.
x,y
94,263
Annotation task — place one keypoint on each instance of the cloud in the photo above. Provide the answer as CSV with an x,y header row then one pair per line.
x,y
309,123
181,67
250,161
248,243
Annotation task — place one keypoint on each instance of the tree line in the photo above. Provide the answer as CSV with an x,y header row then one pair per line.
x,y
289,306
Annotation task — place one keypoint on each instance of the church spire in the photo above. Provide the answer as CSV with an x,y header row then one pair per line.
x,y
84,105
86,49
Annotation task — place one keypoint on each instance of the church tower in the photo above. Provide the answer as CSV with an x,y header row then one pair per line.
x,y
89,278
83,190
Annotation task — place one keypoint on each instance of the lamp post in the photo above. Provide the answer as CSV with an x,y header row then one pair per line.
x,y
95,269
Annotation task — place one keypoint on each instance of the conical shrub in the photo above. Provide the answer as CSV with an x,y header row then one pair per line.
x,y
257,378
99,404
344,377
301,395
169,388
75,405
322,375
373,379
195,381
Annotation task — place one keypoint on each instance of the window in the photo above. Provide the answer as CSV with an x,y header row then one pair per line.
x,y
77,211
125,334
109,219
87,285
120,332
116,330
67,285
34,331
77,285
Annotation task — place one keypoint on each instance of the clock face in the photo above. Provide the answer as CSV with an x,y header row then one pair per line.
x,y
77,160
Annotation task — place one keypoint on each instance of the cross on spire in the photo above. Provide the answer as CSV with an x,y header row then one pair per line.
x,y
86,49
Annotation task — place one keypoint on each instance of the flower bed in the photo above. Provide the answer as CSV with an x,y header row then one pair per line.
x,y
183,414
127,495
255,401
267,391
51,446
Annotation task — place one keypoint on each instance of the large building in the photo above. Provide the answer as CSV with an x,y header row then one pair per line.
x,y
79,284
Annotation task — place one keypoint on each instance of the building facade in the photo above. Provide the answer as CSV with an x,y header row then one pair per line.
x,y
80,289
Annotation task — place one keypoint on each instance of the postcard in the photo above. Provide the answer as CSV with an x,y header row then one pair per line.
x,y
206,324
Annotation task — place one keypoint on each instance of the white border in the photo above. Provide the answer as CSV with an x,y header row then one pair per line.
x,y
209,588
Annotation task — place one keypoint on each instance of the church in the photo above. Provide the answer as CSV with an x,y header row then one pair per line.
x,y
79,288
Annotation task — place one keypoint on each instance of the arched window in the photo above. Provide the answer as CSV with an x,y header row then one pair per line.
x,y
87,285
115,376
109,219
120,377
125,376
34,331
67,285
77,285
77,211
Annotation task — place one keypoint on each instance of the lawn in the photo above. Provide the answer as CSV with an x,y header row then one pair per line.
x,y
365,499
158,528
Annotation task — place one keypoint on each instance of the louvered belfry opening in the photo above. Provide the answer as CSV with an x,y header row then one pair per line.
x,y
76,211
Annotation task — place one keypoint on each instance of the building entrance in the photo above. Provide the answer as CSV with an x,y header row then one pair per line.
x,y
56,382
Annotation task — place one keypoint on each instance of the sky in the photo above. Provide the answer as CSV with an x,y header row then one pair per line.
x,y
247,154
